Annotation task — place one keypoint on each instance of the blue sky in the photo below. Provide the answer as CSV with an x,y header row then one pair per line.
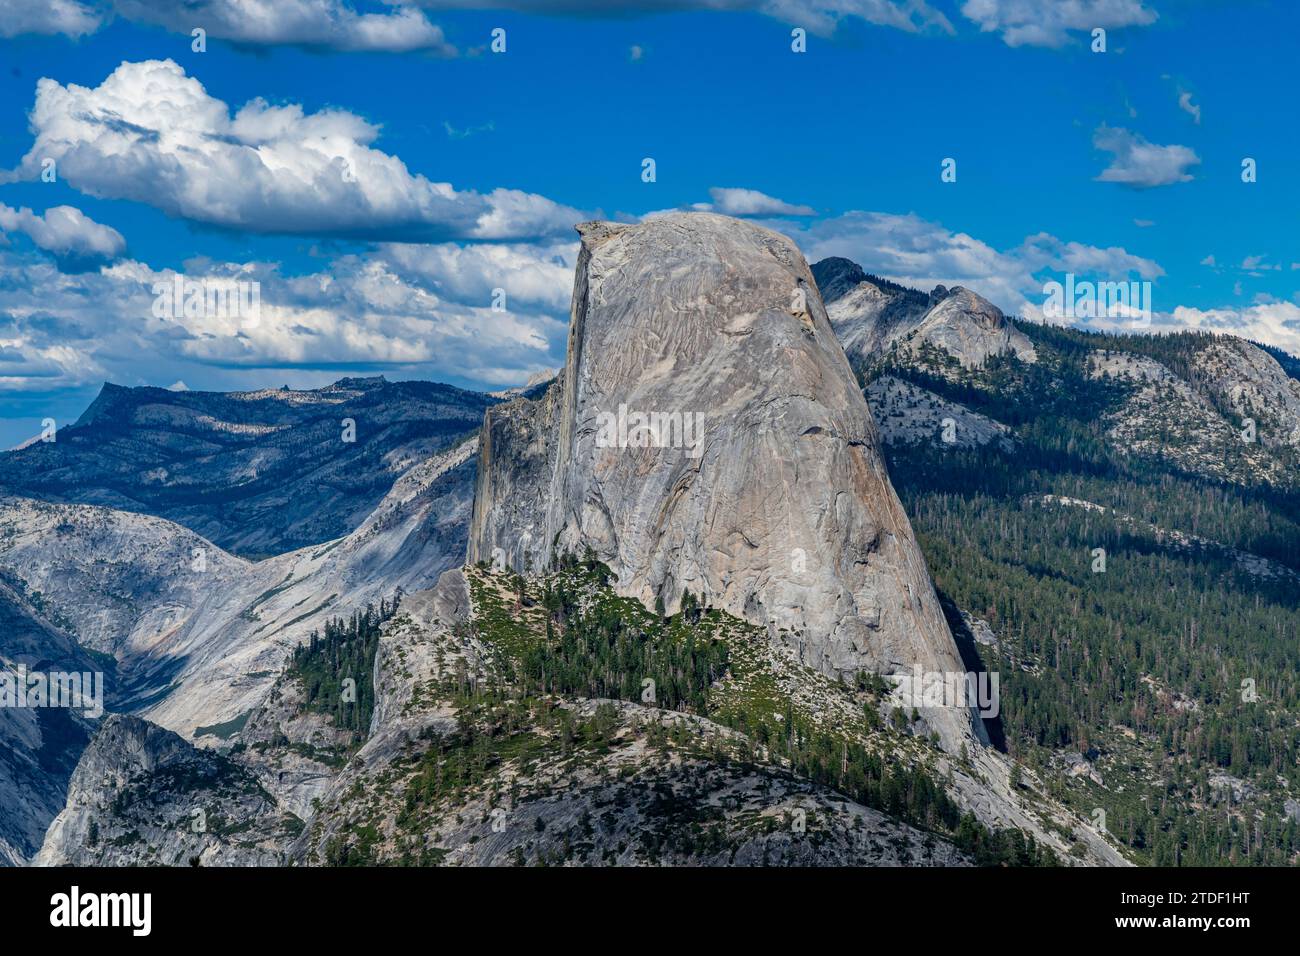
x,y
468,168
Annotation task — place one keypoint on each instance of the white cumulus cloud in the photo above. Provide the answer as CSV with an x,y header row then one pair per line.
x,y
1049,23
1139,163
751,202
65,232
329,24
922,254
318,24
151,134
67,17
413,311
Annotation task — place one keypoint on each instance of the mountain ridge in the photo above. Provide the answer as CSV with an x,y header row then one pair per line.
x,y
874,316
259,472
516,549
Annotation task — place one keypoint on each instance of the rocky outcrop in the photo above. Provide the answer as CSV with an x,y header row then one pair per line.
x,y
293,750
1181,423
871,315
231,652
191,637
39,746
517,453
970,328
755,481
119,580
639,797
1245,381
866,311
141,795
910,415
198,635
633,803
656,787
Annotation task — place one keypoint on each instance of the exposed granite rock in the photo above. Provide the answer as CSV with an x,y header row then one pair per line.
x,y
1247,381
143,795
909,415
837,277
39,746
38,750
196,647
980,630
294,751
638,804
866,311
1169,419
517,451
780,513
870,315
970,328
1291,810
637,800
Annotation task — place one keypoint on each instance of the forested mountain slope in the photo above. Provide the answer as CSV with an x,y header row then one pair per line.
x,y
1115,528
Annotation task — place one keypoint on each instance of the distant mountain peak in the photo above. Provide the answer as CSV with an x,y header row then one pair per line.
x,y
670,522
357,383
257,472
870,314
837,277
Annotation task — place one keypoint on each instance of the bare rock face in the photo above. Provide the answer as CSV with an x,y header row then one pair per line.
x,y
907,414
866,311
1239,376
709,436
517,447
870,315
39,746
141,795
971,328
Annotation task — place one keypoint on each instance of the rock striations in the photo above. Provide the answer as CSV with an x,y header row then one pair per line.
x,y
708,435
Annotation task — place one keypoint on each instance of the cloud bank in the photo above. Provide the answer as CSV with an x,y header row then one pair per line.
x,y
151,134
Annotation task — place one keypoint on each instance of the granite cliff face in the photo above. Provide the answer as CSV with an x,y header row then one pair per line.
x,y
755,484
517,452
970,328
776,508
